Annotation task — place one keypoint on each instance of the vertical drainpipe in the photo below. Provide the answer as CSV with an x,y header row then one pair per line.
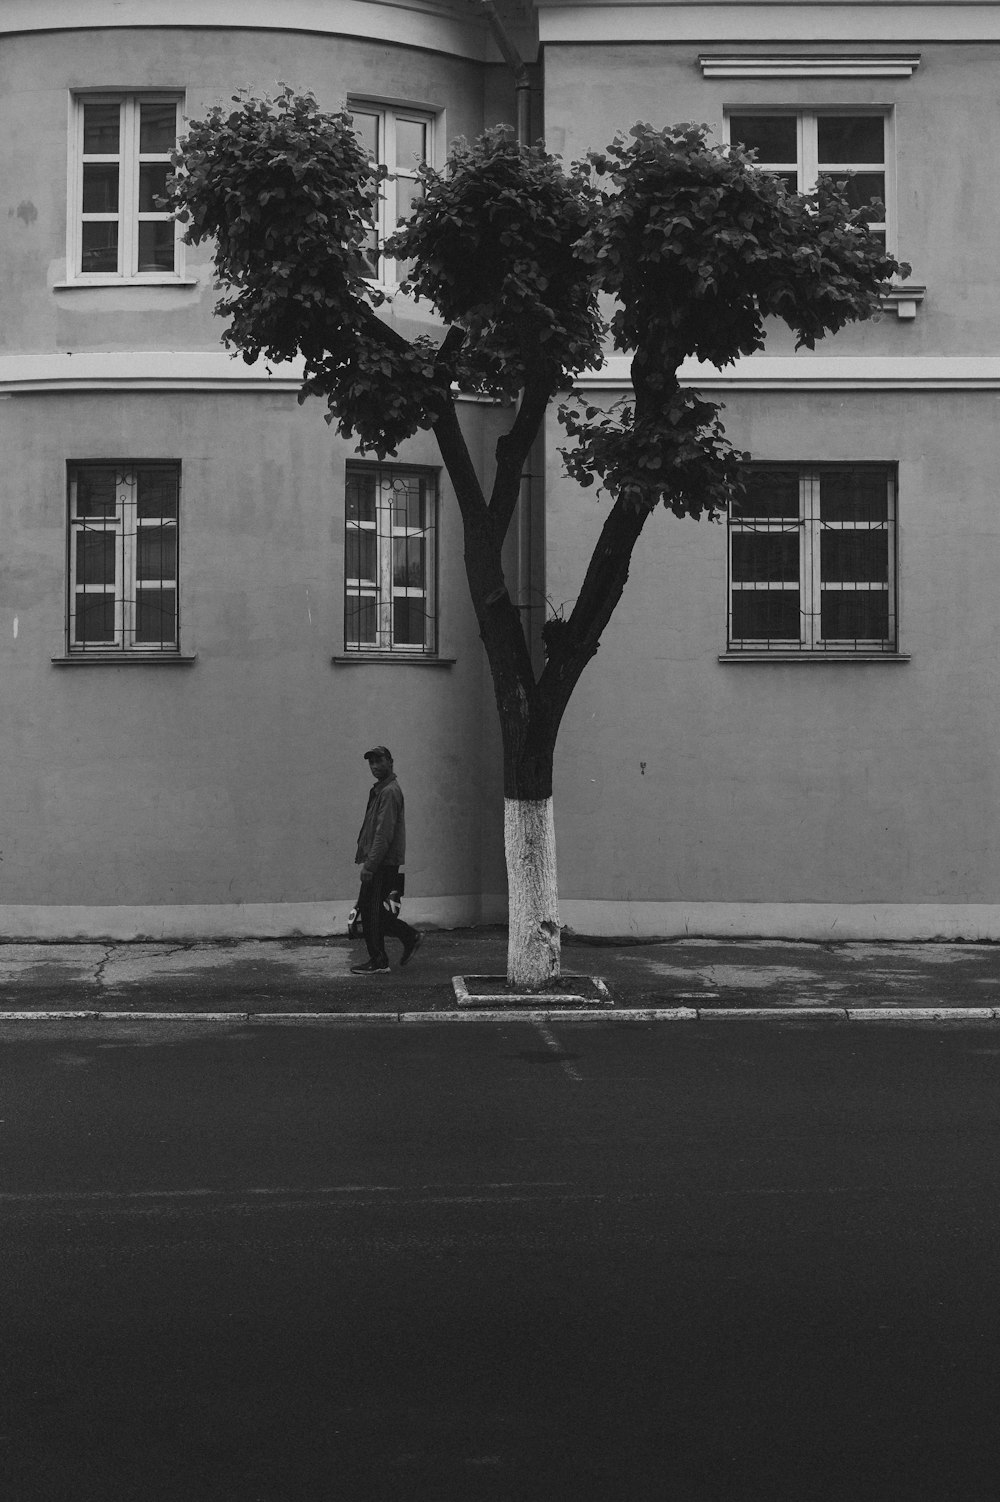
x,y
525,510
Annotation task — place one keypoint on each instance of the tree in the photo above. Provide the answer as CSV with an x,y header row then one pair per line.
x,y
663,246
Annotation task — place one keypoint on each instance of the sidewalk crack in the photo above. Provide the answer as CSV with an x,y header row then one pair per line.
x,y
102,963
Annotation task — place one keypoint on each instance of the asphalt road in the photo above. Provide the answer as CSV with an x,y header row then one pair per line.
x,y
445,1263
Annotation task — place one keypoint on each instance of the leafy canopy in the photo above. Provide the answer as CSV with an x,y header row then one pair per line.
x,y
664,246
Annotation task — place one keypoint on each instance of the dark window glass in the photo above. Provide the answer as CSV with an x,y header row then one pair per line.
x,y
156,556
360,496
408,503
95,618
100,246
152,185
408,623
859,495
156,492
156,245
95,557
765,557
851,138
774,137
157,127
101,129
766,615
770,494
854,557
359,562
156,616
96,492
854,615
100,187
861,190
408,562
360,620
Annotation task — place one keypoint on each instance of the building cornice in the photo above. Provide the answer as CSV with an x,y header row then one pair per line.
x,y
808,65
812,22
449,26
808,372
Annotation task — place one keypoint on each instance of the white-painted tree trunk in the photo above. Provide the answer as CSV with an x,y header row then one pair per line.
x,y
533,893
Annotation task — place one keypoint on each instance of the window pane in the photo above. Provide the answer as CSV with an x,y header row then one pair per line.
x,y
156,554
156,245
859,495
770,493
156,492
408,503
360,496
411,143
360,621
766,557
860,189
766,615
94,619
156,616
157,127
100,247
773,137
408,562
851,138
854,557
152,185
409,192
100,187
856,614
96,492
366,128
408,623
101,129
359,560
95,556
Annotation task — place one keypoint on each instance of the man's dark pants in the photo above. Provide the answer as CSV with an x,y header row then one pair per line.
x,y
376,921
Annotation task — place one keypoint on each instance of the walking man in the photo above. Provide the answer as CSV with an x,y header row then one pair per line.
x,y
381,852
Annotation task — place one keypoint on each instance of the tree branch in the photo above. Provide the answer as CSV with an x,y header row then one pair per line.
x,y
512,452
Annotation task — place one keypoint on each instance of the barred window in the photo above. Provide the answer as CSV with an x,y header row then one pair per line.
x,y
807,148
118,173
123,556
812,559
390,552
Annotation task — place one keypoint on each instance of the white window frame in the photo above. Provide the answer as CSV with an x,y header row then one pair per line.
x,y
382,590
806,164
391,272
128,215
809,585
124,527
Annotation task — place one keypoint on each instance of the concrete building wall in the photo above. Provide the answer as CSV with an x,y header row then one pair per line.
x,y
219,793
807,798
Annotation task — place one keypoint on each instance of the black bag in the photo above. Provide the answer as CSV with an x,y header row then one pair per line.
x,y
392,901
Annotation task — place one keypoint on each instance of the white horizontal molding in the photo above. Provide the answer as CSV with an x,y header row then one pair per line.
x,y
819,373
447,26
817,921
144,370
808,65
151,370
812,22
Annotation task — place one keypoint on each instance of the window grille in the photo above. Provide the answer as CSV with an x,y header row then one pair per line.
x,y
122,152
812,560
123,557
808,148
390,560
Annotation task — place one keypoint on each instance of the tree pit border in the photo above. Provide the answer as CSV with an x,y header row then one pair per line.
x,y
556,995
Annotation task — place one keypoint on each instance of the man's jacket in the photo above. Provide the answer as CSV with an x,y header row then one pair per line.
x,y
382,841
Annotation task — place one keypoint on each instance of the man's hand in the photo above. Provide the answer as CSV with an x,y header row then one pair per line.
x,y
366,875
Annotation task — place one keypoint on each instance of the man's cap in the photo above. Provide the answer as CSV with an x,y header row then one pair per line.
x,y
382,751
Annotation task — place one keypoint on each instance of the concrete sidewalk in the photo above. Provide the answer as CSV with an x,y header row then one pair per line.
x,y
310,975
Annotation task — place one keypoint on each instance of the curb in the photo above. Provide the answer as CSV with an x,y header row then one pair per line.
x,y
535,1014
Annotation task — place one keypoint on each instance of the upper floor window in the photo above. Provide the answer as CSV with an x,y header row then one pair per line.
x,y
400,139
118,173
807,147
390,560
812,559
123,578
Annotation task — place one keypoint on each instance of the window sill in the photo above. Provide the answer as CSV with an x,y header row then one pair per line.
x,y
391,659
811,658
79,284
125,659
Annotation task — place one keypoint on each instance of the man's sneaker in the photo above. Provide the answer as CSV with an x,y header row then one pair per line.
x,y
410,947
379,966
